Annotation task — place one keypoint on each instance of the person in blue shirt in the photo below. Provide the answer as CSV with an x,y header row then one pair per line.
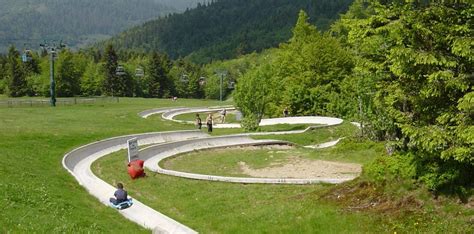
x,y
120,195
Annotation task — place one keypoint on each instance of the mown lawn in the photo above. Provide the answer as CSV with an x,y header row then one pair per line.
x,y
37,193
215,207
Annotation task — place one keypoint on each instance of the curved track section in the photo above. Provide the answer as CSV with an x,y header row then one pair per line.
x,y
324,145
327,121
147,113
154,154
78,162
169,115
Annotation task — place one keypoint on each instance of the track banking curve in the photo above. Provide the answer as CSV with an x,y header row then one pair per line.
x,y
78,161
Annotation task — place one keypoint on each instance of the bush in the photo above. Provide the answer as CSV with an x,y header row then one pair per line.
x,y
389,168
250,122
2,86
445,175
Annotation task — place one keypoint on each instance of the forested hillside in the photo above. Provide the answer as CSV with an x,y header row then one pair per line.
x,y
227,28
403,70
181,5
76,22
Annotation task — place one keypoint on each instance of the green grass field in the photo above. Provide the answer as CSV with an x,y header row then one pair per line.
x,y
215,207
39,195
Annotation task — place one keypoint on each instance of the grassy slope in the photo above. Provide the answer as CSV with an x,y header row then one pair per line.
x,y
37,194
213,207
36,191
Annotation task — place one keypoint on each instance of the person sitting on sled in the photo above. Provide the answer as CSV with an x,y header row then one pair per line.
x,y
120,195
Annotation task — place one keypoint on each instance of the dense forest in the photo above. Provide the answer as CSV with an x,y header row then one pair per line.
x,y
182,5
76,22
226,29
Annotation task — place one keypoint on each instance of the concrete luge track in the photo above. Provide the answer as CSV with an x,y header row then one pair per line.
x,y
78,162
154,154
147,113
326,121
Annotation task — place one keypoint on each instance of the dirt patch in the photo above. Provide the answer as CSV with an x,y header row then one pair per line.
x,y
365,196
305,168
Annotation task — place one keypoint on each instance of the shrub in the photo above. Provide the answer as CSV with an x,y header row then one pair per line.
x,y
394,167
250,122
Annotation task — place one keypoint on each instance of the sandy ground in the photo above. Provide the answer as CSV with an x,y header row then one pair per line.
x,y
304,168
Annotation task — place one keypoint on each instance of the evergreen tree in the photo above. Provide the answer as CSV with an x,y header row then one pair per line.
x,y
32,64
303,30
3,73
127,84
159,82
111,85
16,85
421,55
186,76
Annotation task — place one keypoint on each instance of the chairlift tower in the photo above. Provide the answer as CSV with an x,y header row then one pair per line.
x,y
221,74
52,51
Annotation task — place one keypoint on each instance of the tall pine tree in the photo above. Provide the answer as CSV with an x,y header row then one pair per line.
x,y
16,85
423,59
3,73
110,68
158,80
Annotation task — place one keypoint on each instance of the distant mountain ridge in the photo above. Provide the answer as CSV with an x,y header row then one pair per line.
x,y
227,28
76,21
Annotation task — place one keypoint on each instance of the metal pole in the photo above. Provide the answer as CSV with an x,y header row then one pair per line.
x,y
53,84
222,77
